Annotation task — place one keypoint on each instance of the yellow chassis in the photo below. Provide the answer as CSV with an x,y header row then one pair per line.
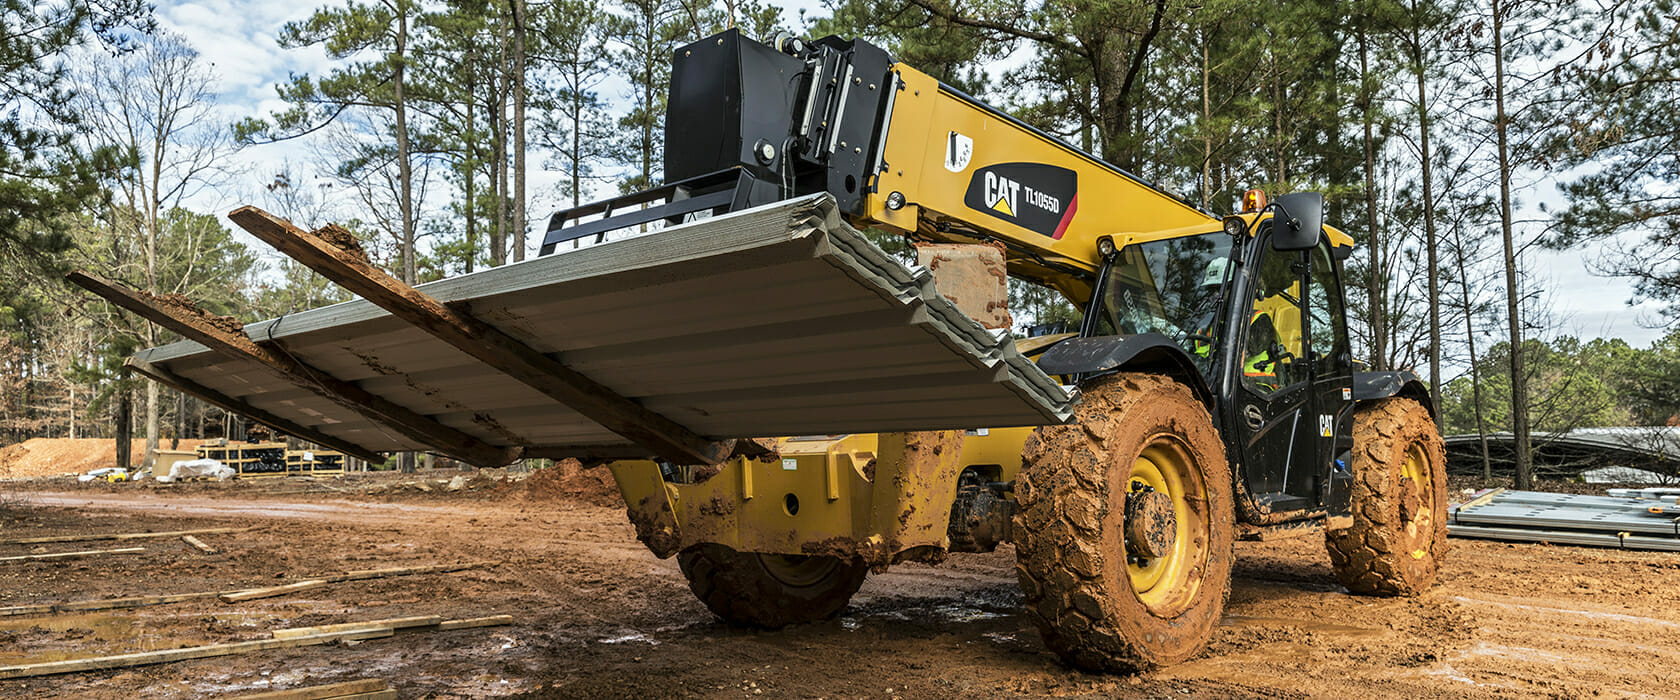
x,y
818,497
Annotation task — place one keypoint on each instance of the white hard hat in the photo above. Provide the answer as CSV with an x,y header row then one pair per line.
x,y
1215,272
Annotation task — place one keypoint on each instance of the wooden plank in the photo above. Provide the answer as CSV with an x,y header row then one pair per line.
x,y
395,623
321,692
469,623
402,571
375,695
73,555
486,343
126,536
227,403
201,327
256,593
142,601
107,604
148,658
200,545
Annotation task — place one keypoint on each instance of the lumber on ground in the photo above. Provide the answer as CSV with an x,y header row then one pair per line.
x,y
125,536
374,695
197,325
469,623
107,604
198,544
143,601
272,591
395,623
73,555
486,343
147,658
322,692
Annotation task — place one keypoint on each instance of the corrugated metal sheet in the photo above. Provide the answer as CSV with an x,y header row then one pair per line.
x,y
781,320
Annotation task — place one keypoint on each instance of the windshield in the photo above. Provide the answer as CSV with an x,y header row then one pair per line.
x,y
1172,287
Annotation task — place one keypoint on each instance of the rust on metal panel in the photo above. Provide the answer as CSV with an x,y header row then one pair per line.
x,y
484,342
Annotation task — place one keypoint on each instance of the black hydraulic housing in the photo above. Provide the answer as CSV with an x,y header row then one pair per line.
x,y
749,124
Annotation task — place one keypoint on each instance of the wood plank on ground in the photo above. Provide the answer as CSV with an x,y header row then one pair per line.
x,y
198,544
147,658
73,555
469,623
375,695
143,601
322,692
272,591
126,536
395,623
106,604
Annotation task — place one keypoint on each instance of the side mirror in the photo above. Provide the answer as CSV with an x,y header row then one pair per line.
x,y
1297,221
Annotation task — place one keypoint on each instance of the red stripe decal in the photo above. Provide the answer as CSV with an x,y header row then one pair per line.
x,y
1067,217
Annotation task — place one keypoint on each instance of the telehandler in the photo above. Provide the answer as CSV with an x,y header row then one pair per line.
x,y
1208,391
1219,394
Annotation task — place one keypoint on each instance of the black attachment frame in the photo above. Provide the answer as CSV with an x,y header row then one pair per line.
x,y
719,192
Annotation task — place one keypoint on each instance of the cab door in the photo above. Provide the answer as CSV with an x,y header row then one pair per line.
x,y
1272,407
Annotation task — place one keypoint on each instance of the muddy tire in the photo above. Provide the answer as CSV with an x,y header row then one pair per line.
x,y
769,590
1398,534
1098,606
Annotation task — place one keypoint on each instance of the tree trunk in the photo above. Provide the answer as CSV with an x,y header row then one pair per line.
x,y
1513,316
1207,138
180,420
471,186
518,130
1430,244
125,426
498,165
1378,316
405,172
1475,374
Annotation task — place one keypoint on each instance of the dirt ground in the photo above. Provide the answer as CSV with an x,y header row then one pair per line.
x,y
597,616
54,456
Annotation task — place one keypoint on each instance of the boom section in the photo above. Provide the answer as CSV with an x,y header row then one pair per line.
x,y
954,169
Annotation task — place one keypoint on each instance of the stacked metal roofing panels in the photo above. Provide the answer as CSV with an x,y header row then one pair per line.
x,y
1569,519
780,320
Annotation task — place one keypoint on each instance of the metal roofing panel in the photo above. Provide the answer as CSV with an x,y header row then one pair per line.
x,y
781,320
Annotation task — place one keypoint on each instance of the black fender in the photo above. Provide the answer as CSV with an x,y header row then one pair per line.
x,y
1370,386
1146,352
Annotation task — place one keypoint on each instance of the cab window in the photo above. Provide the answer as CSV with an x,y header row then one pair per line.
x,y
1173,287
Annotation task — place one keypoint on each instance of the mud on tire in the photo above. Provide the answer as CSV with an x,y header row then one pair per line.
x,y
1096,607
769,590
1398,534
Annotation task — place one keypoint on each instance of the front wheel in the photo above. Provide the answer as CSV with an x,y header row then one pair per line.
x,y
1124,532
1397,536
769,590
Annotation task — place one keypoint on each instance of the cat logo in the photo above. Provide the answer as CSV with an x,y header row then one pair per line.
x,y
1002,193
1034,196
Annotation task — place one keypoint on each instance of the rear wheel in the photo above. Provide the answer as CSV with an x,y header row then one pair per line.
x,y
1123,537
1398,533
769,590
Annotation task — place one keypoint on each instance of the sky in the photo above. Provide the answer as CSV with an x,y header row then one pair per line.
x,y
238,38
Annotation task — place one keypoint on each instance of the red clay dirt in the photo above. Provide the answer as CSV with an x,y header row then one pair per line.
x,y
54,456
597,616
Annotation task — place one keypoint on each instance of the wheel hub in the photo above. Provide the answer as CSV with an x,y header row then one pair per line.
x,y
1150,524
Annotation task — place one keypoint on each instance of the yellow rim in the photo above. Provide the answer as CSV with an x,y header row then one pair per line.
x,y
797,571
1416,468
1166,583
